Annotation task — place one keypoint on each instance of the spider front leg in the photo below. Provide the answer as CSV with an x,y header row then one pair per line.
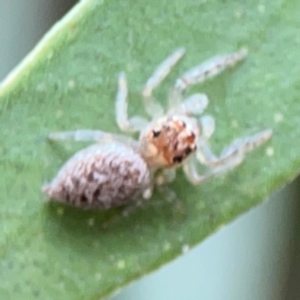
x,y
231,156
153,108
207,70
133,124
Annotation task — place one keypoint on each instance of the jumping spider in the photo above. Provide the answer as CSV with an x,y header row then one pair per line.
x,y
119,169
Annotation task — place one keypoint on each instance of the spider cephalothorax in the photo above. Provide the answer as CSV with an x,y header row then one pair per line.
x,y
103,176
168,141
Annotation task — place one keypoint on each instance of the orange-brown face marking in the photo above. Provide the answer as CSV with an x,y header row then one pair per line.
x,y
168,142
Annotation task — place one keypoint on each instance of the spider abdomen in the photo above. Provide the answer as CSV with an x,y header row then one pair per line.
x,y
100,176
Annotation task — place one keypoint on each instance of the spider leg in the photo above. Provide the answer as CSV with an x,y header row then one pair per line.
x,y
133,124
234,154
207,125
152,107
208,69
165,176
191,172
91,136
193,105
231,156
241,146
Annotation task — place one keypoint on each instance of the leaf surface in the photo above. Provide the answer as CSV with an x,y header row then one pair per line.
x,y
69,82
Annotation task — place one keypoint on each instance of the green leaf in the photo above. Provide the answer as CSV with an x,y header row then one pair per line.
x,y
69,82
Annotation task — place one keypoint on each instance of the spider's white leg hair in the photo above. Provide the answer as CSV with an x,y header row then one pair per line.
x,y
234,154
208,69
229,159
91,136
133,124
193,105
152,107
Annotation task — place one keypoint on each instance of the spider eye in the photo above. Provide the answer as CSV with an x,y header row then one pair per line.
x,y
191,138
182,124
156,133
188,150
177,159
